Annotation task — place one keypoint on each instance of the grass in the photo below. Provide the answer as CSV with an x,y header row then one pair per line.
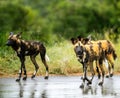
x,y
62,60
117,62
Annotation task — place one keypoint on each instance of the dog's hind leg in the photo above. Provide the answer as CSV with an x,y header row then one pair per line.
x,y
103,72
97,69
42,54
32,57
25,73
107,65
111,61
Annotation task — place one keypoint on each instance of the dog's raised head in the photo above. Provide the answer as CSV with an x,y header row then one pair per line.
x,y
78,48
13,39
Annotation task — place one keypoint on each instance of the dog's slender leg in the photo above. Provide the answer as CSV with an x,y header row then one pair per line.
x,y
42,54
22,59
25,73
92,71
47,70
103,72
35,64
97,69
20,73
85,76
111,61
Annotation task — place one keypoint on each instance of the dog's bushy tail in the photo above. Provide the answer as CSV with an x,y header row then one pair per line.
x,y
47,58
114,55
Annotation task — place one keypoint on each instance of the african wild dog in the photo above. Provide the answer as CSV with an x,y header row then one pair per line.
x,y
109,51
27,48
86,54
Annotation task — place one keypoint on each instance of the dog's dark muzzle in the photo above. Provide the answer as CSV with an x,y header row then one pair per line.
x,y
79,55
9,43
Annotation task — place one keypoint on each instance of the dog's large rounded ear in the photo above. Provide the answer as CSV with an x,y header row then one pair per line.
x,y
11,33
85,41
19,34
73,40
89,37
79,38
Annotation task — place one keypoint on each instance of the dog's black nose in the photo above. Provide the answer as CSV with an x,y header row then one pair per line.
x,y
8,43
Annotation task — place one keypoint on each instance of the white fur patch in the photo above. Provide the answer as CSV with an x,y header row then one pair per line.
x,y
106,63
19,71
47,58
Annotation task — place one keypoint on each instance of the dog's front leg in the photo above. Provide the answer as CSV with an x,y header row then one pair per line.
x,y
84,75
23,65
20,73
22,60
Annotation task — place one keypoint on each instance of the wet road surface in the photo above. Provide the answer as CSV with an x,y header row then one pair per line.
x,y
59,87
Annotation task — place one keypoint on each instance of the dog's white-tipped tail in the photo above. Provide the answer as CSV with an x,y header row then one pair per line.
x,y
47,58
106,63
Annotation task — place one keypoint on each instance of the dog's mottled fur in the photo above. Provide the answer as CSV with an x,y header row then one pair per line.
x,y
27,48
86,55
108,49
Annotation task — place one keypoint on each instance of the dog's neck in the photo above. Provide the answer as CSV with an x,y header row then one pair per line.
x,y
17,45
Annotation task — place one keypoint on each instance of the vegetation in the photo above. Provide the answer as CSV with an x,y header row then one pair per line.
x,y
54,22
